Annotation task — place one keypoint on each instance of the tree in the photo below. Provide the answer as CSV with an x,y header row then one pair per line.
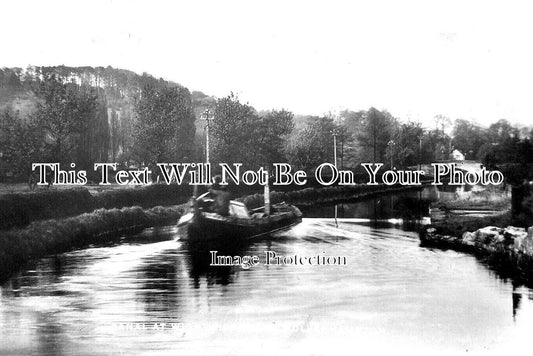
x,y
375,133
91,130
352,120
488,155
115,135
405,145
164,126
271,134
468,137
57,114
436,146
21,142
501,131
74,121
240,135
313,145
232,130
442,122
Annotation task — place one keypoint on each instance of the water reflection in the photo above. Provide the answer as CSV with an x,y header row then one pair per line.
x,y
517,297
199,260
391,296
160,282
409,209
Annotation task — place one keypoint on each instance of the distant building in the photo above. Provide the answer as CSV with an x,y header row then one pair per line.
x,y
457,155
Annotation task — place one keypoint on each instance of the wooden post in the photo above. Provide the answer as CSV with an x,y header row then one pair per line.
x,y
267,197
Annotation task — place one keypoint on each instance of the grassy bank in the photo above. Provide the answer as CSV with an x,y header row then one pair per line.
x,y
472,211
457,225
43,237
484,199
312,196
40,238
19,209
481,224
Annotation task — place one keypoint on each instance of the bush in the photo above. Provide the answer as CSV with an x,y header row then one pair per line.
x,y
19,209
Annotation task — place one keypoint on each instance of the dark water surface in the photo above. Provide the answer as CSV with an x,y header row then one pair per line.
x,y
154,294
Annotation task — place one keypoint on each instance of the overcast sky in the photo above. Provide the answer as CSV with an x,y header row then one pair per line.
x,y
417,59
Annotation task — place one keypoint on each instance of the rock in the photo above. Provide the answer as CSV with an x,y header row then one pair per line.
x,y
512,245
518,243
469,237
514,230
527,243
511,233
501,240
428,234
488,234
490,239
523,241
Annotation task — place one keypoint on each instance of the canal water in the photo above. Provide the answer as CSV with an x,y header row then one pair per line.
x,y
153,294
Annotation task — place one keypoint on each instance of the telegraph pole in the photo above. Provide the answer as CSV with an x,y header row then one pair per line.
x,y
207,116
335,133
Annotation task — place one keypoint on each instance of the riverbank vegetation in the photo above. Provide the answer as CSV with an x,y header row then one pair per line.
x,y
19,209
483,223
472,210
458,224
488,206
79,116
314,196
40,238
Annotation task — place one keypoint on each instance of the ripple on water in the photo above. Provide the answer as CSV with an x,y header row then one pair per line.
x,y
391,289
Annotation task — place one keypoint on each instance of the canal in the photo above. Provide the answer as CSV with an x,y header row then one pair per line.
x,y
152,293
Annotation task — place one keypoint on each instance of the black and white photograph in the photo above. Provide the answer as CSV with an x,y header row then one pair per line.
x,y
250,177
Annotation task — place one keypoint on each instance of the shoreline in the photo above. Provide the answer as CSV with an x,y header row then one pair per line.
x,y
486,228
45,237
23,208
509,251
326,195
58,234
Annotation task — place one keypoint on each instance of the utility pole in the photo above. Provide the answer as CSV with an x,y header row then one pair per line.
x,y
335,133
391,152
207,116
419,152
335,148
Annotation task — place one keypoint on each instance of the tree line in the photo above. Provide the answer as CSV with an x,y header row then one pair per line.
x,y
241,134
71,117
152,121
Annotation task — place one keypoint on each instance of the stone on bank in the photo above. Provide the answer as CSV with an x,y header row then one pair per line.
x,y
509,249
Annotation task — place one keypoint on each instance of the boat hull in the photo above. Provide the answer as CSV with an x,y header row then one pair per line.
x,y
210,226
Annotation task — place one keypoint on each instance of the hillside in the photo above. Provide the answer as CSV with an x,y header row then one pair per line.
x,y
117,90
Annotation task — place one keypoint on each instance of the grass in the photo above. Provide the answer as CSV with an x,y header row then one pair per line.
x,y
488,199
312,196
492,201
503,258
457,225
43,237
20,208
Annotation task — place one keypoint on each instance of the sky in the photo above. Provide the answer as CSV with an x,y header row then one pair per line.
x,y
416,59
